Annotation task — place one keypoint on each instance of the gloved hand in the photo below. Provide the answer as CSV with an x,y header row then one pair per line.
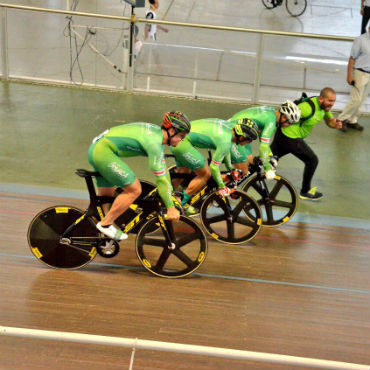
x,y
274,162
224,192
270,174
236,175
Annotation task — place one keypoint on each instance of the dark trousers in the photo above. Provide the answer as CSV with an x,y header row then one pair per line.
x,y
283,145
365,19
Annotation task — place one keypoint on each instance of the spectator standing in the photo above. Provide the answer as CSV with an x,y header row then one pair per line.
x,y
151,29
358,76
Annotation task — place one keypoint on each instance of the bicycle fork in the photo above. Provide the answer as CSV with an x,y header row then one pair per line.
x,y
264,190
171,245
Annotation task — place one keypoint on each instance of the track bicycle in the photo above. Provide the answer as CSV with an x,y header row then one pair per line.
x,y
294,7
234,219
276,198
64,236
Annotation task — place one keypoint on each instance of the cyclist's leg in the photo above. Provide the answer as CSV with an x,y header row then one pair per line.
x,y
187,156
203,175
176,182
241,156
122,202
114,173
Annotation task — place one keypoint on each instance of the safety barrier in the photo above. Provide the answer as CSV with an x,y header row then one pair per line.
x,y
135,344
250,75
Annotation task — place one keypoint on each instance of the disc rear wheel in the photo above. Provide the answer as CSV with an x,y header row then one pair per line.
x,y
44,237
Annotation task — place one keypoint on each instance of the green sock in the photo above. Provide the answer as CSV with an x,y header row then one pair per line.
x,y
186,198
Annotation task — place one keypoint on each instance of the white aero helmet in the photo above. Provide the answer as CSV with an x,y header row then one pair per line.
x,y
290,111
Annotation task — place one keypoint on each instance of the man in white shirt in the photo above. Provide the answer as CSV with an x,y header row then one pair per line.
x,y
358,76
151,29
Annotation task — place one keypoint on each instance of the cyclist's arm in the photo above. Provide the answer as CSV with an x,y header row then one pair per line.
x,y
158,166
165,190
217,158
265,140
264,155
228,163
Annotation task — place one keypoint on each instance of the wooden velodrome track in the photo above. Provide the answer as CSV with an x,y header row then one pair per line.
x,y
300,290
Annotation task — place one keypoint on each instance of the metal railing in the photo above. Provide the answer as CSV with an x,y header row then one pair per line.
x,y
132,73
136,343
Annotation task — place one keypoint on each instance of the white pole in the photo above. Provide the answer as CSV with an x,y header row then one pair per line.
x,y
4,43
180,348
257,73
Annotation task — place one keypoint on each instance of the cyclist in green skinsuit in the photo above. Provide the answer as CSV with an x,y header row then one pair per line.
x,y
267,119
217,135
130,140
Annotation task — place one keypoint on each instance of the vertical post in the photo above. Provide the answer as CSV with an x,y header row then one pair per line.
x,y
130,71
257,75
195,75
125,57
4,44
148,83
304,76
132,355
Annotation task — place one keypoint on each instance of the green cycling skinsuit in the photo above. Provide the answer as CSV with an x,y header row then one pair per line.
x,y
130,140
265,119
209,133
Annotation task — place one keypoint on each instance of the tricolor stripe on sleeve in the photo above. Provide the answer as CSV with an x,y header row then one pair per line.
x,y
216,163
160,173
265,140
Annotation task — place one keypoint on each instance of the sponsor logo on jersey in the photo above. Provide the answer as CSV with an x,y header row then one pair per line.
x,y
133,149
115,168
235,152
191,159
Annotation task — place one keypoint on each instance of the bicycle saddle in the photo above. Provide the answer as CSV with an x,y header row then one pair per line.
x,y
85,173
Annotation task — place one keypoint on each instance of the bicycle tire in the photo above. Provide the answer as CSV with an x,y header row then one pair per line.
x,y
189,252
44,235
296,7
237,228
268,4
282,204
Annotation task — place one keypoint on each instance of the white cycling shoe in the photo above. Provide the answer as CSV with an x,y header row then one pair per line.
x,y
112,232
